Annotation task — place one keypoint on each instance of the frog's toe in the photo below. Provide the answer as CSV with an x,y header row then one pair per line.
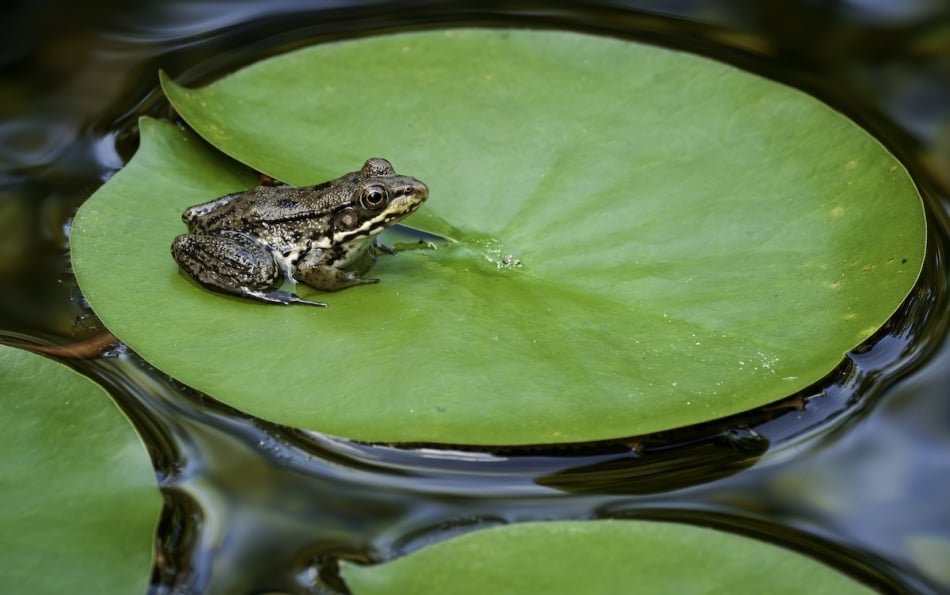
x,y
279,296
330,279
351,281
381,247
299,300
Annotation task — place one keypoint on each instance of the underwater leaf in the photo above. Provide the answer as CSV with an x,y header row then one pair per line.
x,y
78,498
643,239
598,557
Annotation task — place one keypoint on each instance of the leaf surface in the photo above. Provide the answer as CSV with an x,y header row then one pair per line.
x,y
597,557
78,498
644,239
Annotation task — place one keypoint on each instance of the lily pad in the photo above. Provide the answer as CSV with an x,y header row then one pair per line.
x,y
643,239
598,557
78,499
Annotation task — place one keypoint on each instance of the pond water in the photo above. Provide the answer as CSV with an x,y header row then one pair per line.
x,y
854,471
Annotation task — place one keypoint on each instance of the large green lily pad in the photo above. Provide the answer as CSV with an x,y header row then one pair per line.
x,y
78,497
598,557
644,239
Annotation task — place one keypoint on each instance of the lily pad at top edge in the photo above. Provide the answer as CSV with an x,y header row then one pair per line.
x,y
598,557
646,239
78,498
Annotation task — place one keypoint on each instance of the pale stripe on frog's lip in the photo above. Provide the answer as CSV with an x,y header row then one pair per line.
x,y
396,210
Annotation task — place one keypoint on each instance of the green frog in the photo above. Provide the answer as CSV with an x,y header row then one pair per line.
x,y
249,243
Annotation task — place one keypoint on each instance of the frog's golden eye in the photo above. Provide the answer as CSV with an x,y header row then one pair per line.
x,y
374,197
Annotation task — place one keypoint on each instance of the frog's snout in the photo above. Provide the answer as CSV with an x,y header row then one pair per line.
x,y
418,190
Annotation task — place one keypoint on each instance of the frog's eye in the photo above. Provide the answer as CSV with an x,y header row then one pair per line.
x,y
374,197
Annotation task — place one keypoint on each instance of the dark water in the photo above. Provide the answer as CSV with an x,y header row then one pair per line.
x,y
855,471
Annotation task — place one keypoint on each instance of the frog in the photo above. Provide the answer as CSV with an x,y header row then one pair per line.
x,y
252,243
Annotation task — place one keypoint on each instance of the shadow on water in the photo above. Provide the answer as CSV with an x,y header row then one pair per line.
x,y
252,507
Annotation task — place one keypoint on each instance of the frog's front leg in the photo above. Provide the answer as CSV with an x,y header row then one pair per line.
x,y
316,270
381,247
231,262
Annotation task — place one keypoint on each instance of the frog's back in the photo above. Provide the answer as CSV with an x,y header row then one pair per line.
x,y
256,209
197,217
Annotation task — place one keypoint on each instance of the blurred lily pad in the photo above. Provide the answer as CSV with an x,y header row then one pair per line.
x,y
78,497
598,557
644,239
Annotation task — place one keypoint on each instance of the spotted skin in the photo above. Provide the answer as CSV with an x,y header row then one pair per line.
x,y
250,243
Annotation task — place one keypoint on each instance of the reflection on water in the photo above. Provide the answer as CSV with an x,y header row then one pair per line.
x,y
854,471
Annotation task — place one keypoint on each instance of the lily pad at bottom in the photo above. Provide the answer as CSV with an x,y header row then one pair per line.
x,y
78,497
599,557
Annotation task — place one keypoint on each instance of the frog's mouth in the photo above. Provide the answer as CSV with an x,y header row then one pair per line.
x,y
403,204
409,200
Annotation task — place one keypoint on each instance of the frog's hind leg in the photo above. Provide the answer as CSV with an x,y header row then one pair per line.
x,y
192,214
231,262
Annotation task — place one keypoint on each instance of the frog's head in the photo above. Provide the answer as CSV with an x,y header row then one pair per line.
x,y
380,198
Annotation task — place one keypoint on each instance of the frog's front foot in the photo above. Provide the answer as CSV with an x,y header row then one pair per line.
x,y
330,279
420,245
404,246
381,247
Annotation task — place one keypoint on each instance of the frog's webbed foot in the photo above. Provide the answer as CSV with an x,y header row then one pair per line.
x,y
279,296
233,263
330,279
